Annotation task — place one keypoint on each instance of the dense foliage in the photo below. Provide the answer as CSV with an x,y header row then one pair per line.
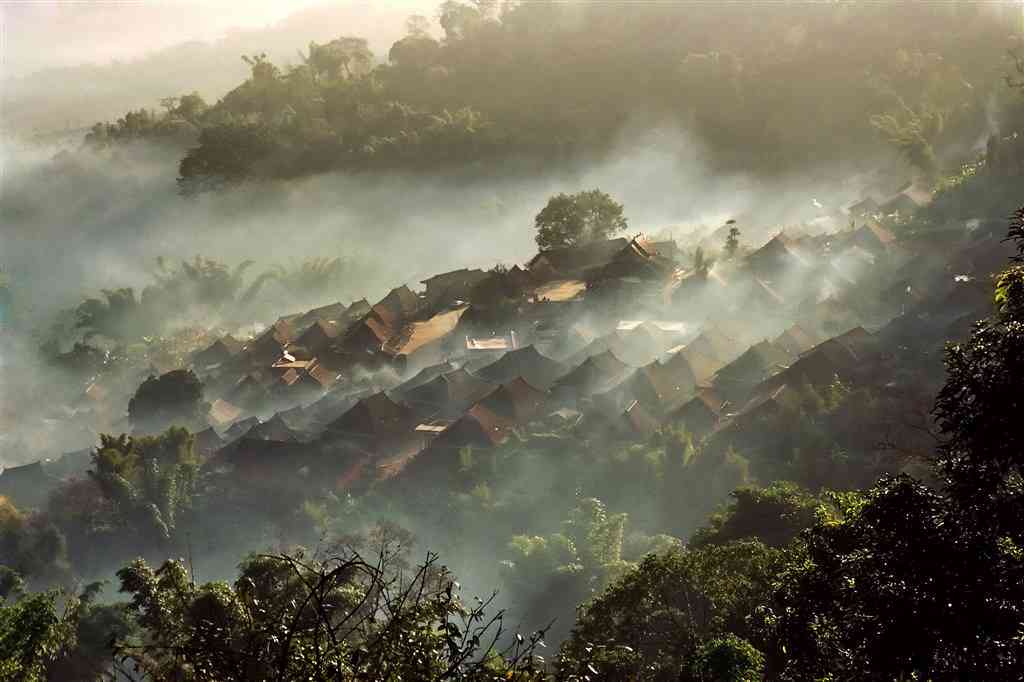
x,y
550,81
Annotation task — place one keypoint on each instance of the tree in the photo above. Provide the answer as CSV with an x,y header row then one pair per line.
x,y
289,617
574,219
32,633
774,515
150,481
913,133
732,240
661,620
171,399
728,659
940,571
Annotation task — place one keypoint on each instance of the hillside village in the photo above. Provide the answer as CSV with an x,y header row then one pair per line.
x,y
610,341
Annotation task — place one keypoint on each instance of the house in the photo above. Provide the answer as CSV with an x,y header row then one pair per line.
x,y
400,303
662,386
573,262
319,336
760,361
634,261
702,367
701,413
269,346
637,346
478,427
207,442
450,287
714,343
337,314
597,374
796,340
839,357
526,362
275,429
420,344
447,395
515,401
781,258
424,375
240,428
376,424
220,351
27,485
501,286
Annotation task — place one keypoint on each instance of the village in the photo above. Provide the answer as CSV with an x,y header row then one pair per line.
x,y
612,340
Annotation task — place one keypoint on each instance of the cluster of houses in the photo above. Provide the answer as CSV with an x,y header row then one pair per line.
x,y
616,339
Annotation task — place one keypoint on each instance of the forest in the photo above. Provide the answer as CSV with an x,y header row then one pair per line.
x,y
564,341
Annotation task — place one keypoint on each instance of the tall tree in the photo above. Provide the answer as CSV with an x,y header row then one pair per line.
x,y
574,219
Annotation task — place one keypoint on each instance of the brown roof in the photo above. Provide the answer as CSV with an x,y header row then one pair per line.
x,y
207,441
561,290
319,334
400,303
453,391
373,415
758,363
418,334
274,429
574,260
515,401
796,340
595,374
713,343
639,421
525,362
424,375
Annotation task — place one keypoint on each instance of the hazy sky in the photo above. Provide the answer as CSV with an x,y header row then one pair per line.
x,y
43,33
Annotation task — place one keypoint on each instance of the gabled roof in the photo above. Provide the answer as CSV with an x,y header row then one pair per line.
x,y
220,350
778,255
374,414
319,335
238,429
715,344
574,260
753,366
514,401
322,376
525,362
274,429
451,391
669,382
796,340
401,303
424,375
207,442
595,374
332,312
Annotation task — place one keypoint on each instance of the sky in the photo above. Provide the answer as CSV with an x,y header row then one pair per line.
x,y
39,34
